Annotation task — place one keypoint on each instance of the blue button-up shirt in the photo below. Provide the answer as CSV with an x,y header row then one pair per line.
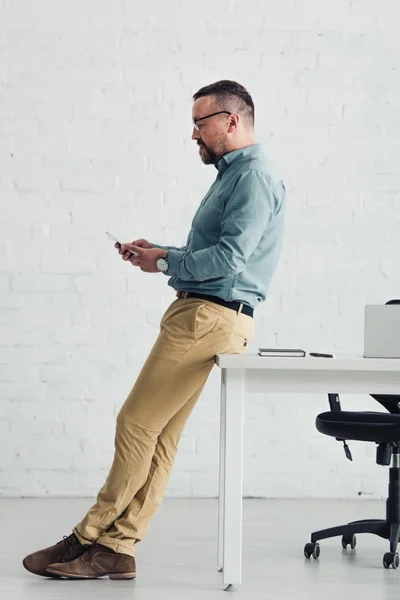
x,y
234,244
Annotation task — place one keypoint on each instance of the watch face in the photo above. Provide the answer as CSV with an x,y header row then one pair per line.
x,y
162,264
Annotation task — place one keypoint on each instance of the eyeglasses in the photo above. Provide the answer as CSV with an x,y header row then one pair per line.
x,y
207,117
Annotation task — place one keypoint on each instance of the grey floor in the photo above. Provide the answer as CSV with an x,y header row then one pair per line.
x,y
177,558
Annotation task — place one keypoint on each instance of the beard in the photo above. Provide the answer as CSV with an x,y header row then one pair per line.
x,y
208,156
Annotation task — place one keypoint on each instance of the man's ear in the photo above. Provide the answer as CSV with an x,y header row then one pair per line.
x,y
233,122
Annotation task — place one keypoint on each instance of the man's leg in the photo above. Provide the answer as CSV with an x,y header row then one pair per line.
x,y
130,527
152,418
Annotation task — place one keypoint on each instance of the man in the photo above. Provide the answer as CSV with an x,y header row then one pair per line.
x,y
220,276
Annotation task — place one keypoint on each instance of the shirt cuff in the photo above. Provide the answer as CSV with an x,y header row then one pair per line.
x,y
174,262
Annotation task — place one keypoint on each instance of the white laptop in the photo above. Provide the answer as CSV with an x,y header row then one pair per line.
x,y
382,330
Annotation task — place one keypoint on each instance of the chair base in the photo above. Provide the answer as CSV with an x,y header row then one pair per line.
x,y
389,529
386,530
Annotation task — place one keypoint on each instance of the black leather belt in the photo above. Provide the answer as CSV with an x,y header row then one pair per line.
x,y
234,305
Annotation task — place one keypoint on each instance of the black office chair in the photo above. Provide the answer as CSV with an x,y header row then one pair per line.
x,y
384,430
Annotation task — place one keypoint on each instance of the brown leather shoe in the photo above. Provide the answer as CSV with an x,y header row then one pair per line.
x,y
68,549
97,561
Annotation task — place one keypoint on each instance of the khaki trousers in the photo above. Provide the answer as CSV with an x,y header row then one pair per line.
x,y
151,420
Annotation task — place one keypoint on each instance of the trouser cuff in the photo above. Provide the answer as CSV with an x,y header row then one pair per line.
x,y
81,539
116,545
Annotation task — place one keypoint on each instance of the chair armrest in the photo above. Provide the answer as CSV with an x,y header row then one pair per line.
x,y
334,402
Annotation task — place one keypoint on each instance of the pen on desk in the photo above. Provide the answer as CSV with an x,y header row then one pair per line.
x,y
322,355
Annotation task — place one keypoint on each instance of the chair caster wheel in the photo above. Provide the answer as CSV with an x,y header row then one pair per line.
x,y
349,539
312,550
391,558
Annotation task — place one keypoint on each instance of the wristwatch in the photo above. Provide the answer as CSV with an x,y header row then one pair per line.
x,y
162,264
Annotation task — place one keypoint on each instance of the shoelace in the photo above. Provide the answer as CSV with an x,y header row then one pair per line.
x,y
69,541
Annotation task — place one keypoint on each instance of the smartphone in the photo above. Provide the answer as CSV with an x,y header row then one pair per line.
x,y
112,237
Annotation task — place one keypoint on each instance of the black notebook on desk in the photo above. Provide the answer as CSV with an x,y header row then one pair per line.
x,y
281,352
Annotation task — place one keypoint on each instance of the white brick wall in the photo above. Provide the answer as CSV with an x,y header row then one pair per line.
x,y
95,109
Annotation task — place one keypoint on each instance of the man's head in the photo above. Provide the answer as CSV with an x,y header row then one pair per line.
x,y
227,131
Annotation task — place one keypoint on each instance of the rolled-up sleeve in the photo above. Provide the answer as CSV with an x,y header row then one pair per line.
x,y
247,213
168,247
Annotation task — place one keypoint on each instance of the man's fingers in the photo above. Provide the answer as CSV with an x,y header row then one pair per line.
x,y
125,248
127,255
131,247
126,252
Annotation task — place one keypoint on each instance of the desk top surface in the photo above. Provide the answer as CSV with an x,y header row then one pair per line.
x,y
306,363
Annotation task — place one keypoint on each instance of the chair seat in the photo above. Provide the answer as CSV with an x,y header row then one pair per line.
x,y
362,426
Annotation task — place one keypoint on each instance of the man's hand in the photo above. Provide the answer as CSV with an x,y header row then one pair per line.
x,y
146,259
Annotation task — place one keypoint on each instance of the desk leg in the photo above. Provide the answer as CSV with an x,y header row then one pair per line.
x,y
221,497
232,403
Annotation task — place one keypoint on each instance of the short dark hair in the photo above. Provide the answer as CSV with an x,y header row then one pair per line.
x,y
230,95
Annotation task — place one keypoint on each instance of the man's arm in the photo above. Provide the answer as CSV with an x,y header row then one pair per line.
x,y
244,220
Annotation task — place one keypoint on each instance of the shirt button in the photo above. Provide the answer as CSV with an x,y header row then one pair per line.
x,y
174,274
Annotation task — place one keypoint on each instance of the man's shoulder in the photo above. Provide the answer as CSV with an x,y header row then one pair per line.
x,y
259,168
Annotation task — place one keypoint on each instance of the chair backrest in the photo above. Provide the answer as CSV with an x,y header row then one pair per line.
x,y
391,402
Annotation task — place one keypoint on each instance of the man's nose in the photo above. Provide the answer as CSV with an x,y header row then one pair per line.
x,y
195,134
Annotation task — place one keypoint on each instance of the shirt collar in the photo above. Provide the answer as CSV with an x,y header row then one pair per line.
x,y
230,157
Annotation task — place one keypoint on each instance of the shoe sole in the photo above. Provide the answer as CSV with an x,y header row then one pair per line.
x,y
128,575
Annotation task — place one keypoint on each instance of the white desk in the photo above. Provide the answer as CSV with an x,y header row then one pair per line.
x,y
252,373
